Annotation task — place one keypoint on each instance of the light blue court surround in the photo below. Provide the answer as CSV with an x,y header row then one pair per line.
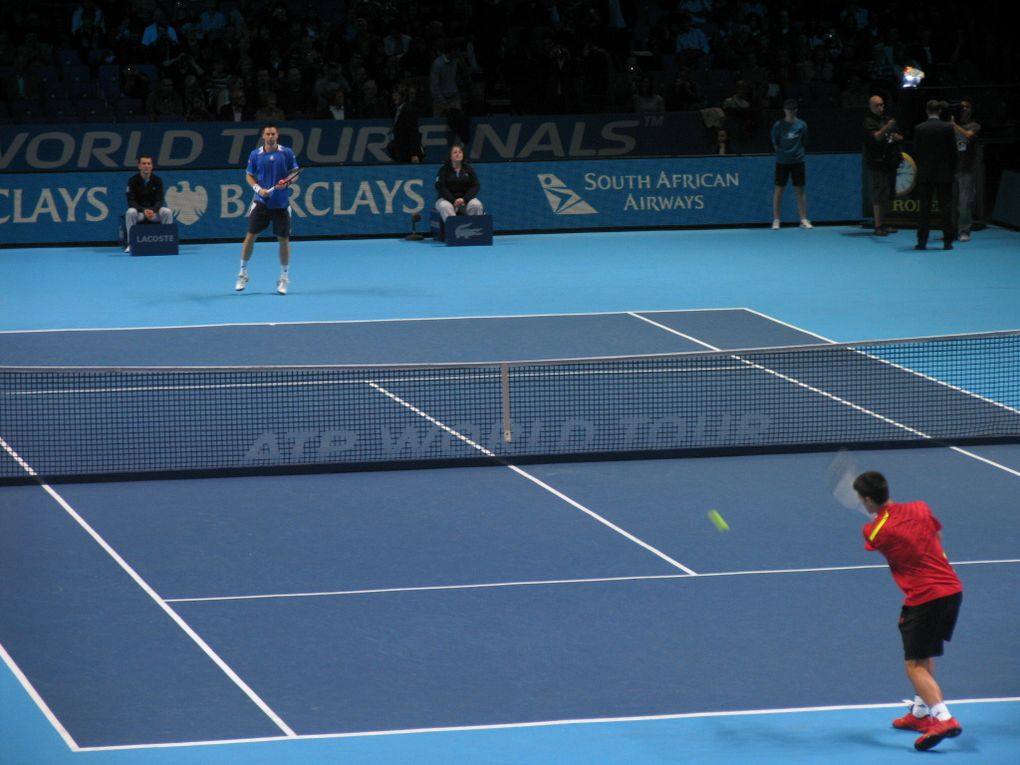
x,y
835,281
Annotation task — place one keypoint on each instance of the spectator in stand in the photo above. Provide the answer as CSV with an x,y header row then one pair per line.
x,y
164,102
331,78
336,106
151,32
371,104
646,99
268,111
87,10
295,97
720,143
23,85
443,81
684,95
212,21
197,109
237,110
691,44
134,84
396,42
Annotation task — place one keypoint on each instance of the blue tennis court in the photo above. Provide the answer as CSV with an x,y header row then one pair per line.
x,y
569,611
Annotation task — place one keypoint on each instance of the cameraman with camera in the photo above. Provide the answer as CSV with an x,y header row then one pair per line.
x,y
966,163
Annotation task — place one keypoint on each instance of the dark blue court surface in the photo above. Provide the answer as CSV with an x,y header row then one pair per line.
x,y
579,612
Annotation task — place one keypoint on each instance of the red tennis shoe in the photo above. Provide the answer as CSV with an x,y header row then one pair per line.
x,y
910,722
939,730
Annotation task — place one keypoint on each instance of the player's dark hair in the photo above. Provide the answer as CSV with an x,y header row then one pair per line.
x,y
145,156
873,486
262,130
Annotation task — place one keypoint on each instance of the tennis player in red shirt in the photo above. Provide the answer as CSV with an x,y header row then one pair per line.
x,y
910,538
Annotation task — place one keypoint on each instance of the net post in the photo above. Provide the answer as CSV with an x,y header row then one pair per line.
x,y
504,395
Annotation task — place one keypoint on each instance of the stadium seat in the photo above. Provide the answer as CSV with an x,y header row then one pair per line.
x,y
44,73
94,110
130,110
72,73
150,72
79,90
109,81
67,56
61,110
27,111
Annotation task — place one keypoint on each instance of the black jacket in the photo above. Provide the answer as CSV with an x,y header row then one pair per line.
x,y
451,185
935,151
406,141
142,196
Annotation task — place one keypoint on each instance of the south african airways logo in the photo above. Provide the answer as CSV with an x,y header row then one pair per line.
x,y
187,203
562,200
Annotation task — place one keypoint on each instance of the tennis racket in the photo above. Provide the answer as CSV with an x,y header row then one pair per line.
x,y
288,179
841,476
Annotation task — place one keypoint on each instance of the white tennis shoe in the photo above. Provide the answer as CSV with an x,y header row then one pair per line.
x,y
775,224
281,285
805,223
242,281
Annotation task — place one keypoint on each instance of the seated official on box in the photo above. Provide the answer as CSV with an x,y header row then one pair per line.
x,y
457,186
145,199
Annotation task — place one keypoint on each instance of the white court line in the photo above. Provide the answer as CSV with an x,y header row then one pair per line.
x,y
524,474
549,723
554,582
366,321
148,590
39,701
907,428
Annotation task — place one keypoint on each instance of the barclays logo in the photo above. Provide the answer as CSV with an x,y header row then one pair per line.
x,y
188,204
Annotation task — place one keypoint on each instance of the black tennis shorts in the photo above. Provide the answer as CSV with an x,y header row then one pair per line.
x,y
785,172
924,627
260,216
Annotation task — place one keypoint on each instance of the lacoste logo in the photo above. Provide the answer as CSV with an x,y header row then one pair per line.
x,y
563,200
466,231
188,204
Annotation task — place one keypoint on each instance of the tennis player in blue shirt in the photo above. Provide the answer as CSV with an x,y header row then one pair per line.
x,y
271,170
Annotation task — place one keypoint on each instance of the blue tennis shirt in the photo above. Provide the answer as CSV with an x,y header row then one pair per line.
x,y
268,168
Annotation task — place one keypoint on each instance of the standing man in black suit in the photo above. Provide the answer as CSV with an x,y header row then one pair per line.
x,y
405,136
935,152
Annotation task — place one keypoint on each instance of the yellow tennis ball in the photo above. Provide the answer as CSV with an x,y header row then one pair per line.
x,y
718,521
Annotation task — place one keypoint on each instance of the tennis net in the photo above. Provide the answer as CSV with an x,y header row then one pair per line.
x,y
80,422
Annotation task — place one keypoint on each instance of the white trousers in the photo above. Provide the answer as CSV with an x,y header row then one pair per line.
x,y
132,216
445,209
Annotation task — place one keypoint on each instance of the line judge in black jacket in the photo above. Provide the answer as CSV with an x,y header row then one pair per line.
x,y
935,153
145,199
457,186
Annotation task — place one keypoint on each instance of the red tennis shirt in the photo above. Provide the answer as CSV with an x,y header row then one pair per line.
x,y
908,536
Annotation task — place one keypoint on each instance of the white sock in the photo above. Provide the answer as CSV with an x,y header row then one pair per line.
x,y
919,709
283,271
244,265
941,711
